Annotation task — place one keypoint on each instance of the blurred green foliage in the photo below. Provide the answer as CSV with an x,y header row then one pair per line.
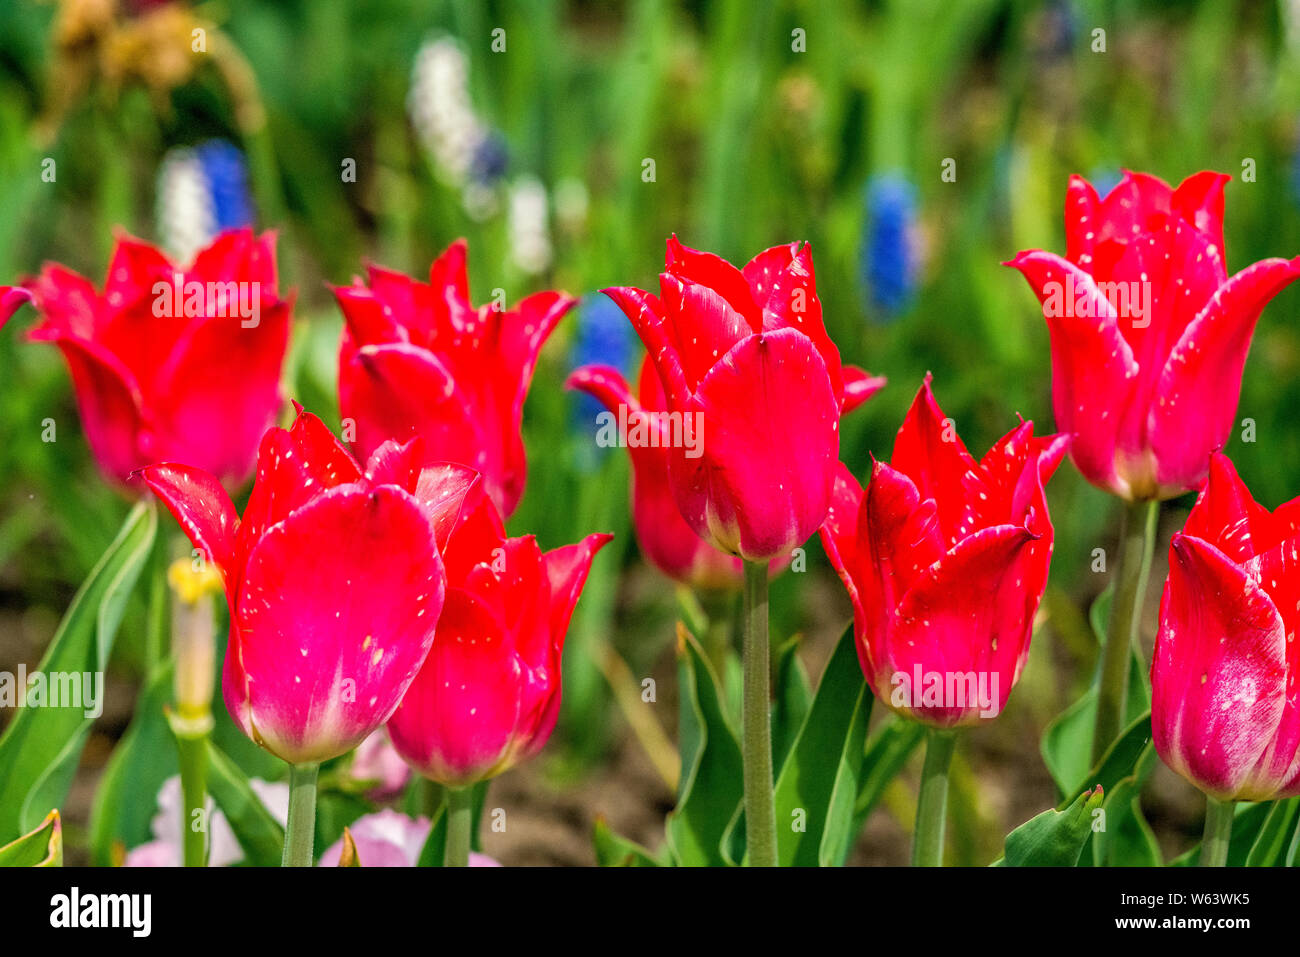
x,y
754,141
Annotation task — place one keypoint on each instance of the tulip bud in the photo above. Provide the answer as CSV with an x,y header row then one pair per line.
x,y
1224,710
1149,333
755,387
945,559
333,578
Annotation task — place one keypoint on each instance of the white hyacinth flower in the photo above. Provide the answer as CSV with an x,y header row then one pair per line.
x,y
530,241
186,220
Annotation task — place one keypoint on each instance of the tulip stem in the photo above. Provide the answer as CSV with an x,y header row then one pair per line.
x,y
1218,831
460,823
193,753
1137,539
756,718
932,801
300,831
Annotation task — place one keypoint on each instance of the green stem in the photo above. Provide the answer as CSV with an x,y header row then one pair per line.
x,y
431,793
932,801
194,777
460,823
300,831
1137,539
756,718
158,602
1218,831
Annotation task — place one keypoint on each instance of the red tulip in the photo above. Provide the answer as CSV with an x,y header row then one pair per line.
x,y
172,364
1149,333
945,560
663,534
333,577
417,359
488,695
1224,707
757,389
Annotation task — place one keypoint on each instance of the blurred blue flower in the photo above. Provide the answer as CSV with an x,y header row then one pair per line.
x,y
888,260
227,177
604,337
491,157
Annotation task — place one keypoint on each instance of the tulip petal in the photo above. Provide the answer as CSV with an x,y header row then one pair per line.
x,y
792,303
1093,370
442,490
459,717
223,380
1081,209
336,614
108,399
693,267
647,315
706,326
859,386
1217,677
202,508
931,453
11,297
1199,200
1190,420
965,615
756,480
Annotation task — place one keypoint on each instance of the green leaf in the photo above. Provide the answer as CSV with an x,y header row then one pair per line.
x,y
1275,836
40,748
887,753
818,786
791,702
613,850
43,847
1117,763
1054,838
1128,840
259,834
711,781
1066,744
127,796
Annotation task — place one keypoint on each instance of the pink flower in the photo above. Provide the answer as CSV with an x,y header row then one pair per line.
x,y
333,578
488,695
945,559
1149,333
1225,709
389,839
758,387
171,364
377,761
417,359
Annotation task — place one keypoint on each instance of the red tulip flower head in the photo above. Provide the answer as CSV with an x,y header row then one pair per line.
x,y
417,359
333,577
488,695
1149,333
945,560
1225,707
756,387
172,364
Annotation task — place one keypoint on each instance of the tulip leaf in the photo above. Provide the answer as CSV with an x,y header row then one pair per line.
x,y
1118,762
818,786
41,746
43,847
711,778
1125,839
259,834
127,795
791,701
1054,838
887,753
1067,741
614,850
1275,836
